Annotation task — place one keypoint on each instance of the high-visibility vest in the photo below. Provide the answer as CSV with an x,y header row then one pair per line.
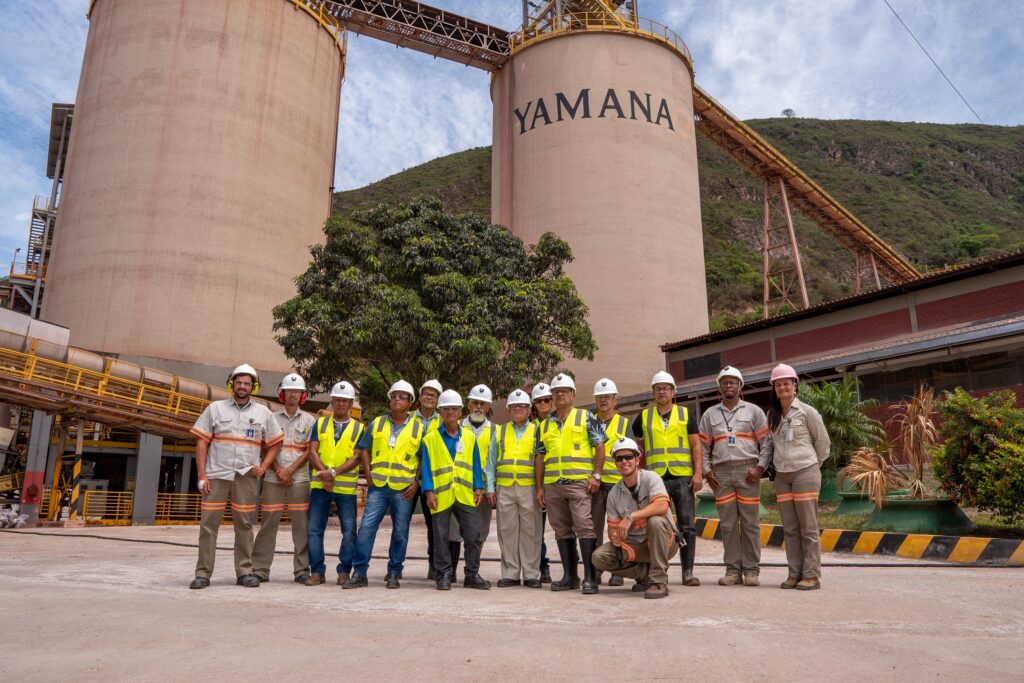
x,y
616,429
434,423
514,465
568,453
667,449
335,453
453,477
395,466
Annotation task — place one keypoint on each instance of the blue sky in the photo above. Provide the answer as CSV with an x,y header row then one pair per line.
x,y
822,58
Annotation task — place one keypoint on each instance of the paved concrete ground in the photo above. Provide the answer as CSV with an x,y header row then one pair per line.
x,y
102,609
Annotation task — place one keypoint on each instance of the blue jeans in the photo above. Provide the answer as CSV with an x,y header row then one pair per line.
x,y
381,499
319,511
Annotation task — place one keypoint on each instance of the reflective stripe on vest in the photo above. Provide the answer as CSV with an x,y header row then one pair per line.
x,y
668,449
335,453
453,477
395,466
615,430
515,456
568,453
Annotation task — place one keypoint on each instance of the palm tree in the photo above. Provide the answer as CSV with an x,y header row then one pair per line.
x,y
843,412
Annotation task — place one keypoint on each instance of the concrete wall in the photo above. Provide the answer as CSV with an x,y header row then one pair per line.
x,y
618,183
198,174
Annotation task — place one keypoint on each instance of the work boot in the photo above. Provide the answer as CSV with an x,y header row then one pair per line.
x,y
545,572
301,578
505,583
570,574
533,583
751,579
587,547
616,580
262,579
640,586
808,584
444,582
455,548
315,580
248,580
356,582
688,552
391,581
655,591
730,579
342,579
474,580
199,582
790,583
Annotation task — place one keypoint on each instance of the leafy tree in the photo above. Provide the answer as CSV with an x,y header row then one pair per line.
x,y
411,292
843,414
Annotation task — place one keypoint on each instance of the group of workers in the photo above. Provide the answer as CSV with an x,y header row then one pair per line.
x,y
552,463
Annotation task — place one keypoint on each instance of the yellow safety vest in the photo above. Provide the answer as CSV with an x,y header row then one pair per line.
x,y
453,477
568,453
514,465
616,429
395,465
335,453
667,448
435,422
483,442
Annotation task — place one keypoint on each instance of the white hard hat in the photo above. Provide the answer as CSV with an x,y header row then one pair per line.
x,y
245,369
481,392
625,444
449,399
517,398
730,371
604,387
663,377
343,390
403,386
563,381
540,390
432,384
292,381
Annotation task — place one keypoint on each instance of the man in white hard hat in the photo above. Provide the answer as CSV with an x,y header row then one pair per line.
x,y
642,536
453,479
615,427
672,450
286,484
230,434
332,453
569,460
736,438
478,411
510,488
543,405
390,452
426,413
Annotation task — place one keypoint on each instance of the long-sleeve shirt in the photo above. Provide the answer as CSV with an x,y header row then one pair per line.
x,y
801,439
747,426
427,479
491,469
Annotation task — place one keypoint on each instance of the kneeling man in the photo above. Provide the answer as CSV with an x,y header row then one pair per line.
x,y
642,536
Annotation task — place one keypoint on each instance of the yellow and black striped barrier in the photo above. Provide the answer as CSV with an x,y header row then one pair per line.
x,y
958,549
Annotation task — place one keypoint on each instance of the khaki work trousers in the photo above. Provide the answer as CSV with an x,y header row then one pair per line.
x,y
738,512
569,509
274,500
243,492
647,561
797,496
520,531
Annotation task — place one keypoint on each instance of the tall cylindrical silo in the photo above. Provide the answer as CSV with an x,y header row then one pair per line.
x,y
594,140
199,172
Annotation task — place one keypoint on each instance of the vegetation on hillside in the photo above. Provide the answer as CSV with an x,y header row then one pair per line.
x,y
941,194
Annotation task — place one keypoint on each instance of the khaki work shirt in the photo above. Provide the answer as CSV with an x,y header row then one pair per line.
x,y
649,488
236,435
747,426
801,439
297,431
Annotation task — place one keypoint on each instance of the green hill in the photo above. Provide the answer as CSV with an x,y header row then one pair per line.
x,y
941,194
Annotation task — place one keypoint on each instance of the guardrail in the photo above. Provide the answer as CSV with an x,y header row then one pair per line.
x,y
107,508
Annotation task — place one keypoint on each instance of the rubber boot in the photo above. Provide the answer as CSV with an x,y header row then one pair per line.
x,y
570,577
587,548
688,552
455,548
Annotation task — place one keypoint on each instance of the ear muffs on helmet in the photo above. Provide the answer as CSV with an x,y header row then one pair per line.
x,y
302,398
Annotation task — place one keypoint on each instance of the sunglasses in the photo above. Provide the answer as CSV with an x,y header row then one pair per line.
x,y
624,458
543,400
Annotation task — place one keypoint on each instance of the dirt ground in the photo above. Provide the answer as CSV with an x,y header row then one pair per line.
x,y
110,609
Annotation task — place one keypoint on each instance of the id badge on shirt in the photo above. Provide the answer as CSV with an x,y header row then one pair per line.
x,y
789,433
458,447
392,440
732,440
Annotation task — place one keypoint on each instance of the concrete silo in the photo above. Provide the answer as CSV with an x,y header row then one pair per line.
x,y
594,140
199,171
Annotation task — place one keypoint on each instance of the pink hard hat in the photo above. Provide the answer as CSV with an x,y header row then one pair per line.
x,y
783,371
